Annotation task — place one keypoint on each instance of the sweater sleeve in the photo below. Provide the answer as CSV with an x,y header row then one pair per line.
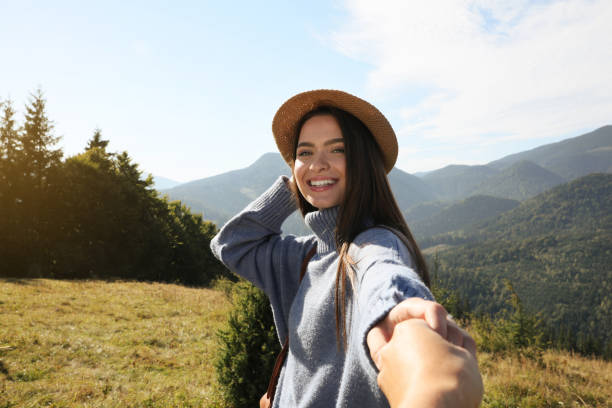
x,y
386,276
251,245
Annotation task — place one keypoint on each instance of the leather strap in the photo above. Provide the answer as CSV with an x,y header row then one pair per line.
x,y
280,359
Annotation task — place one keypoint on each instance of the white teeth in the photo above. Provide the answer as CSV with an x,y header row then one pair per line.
x,y
319,183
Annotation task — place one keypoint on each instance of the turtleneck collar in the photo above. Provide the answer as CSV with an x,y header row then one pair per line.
x,y
323,224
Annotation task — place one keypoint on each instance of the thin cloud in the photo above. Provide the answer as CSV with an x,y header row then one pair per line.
x,y
494,69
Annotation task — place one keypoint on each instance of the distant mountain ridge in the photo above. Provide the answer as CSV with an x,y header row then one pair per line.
x,y
162,183
227,193
567,159
579,155
454,181
518,176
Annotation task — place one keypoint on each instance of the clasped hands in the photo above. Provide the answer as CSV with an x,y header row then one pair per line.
x,y
424,358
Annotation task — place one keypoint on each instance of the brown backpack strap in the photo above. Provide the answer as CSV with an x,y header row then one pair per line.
x,y
280,359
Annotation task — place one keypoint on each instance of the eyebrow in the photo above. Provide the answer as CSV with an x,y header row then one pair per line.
x,y
328,142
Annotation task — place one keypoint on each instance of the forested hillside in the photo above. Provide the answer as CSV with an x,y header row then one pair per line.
x,y
92,215
555,249
457,181
521,181
458,215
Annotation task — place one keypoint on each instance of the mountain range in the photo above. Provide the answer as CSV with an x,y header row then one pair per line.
x,y
516,177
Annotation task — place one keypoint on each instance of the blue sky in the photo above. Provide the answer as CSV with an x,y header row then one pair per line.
x,y
189,88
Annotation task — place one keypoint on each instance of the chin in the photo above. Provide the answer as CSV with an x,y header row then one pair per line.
x,y
323,204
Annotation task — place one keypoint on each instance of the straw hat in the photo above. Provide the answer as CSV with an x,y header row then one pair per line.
x,y
289,114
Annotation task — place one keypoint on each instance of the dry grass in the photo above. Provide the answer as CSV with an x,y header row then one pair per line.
x,y
128,344
99,344
557,379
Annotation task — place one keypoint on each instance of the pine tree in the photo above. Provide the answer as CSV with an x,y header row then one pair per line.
x,y
38,141
524,328
37,161
9,150
10,200
9,135
249,347
96,141
96,149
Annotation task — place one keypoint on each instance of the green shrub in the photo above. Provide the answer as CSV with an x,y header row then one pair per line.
x,y
512,330
248,347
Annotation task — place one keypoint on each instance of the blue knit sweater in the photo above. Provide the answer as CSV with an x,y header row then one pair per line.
x,y
316,373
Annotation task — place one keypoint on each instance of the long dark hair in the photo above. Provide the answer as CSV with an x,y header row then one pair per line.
x,y
368,201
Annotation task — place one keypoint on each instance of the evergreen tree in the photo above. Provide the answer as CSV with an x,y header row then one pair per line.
x,y
38,160
96,141
451,299
249,347
523,328
9,135
10,178
38,140
9,151
512,330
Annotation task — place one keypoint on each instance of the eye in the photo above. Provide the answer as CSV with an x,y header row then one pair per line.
x,y
303,153
338,149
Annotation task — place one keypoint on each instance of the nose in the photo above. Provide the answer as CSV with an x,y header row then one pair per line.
x,y
320,162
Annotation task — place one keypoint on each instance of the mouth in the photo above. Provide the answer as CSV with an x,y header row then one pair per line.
x,y
322,184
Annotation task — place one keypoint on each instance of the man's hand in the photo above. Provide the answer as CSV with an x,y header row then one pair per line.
x,y
418,368
431,313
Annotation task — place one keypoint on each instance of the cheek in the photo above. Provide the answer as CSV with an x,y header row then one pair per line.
x,y
340,166
298,170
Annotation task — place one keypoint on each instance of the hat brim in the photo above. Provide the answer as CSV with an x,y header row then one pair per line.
x,y
291,112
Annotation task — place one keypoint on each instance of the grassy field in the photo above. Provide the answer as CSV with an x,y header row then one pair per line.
x,y
558,379
97,344
128,344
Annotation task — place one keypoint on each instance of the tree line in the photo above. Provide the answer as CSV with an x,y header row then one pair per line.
x,y
555,249
91,215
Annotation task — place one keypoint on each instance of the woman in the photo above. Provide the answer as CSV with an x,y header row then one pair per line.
x,y
366,268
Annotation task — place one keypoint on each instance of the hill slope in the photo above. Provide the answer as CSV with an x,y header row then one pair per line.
x,y
457,181
462,214
554,248
569,158
161,183
135,344
520,181
108,344
229,192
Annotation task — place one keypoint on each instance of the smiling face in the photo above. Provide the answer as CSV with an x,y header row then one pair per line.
x,y
320,162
